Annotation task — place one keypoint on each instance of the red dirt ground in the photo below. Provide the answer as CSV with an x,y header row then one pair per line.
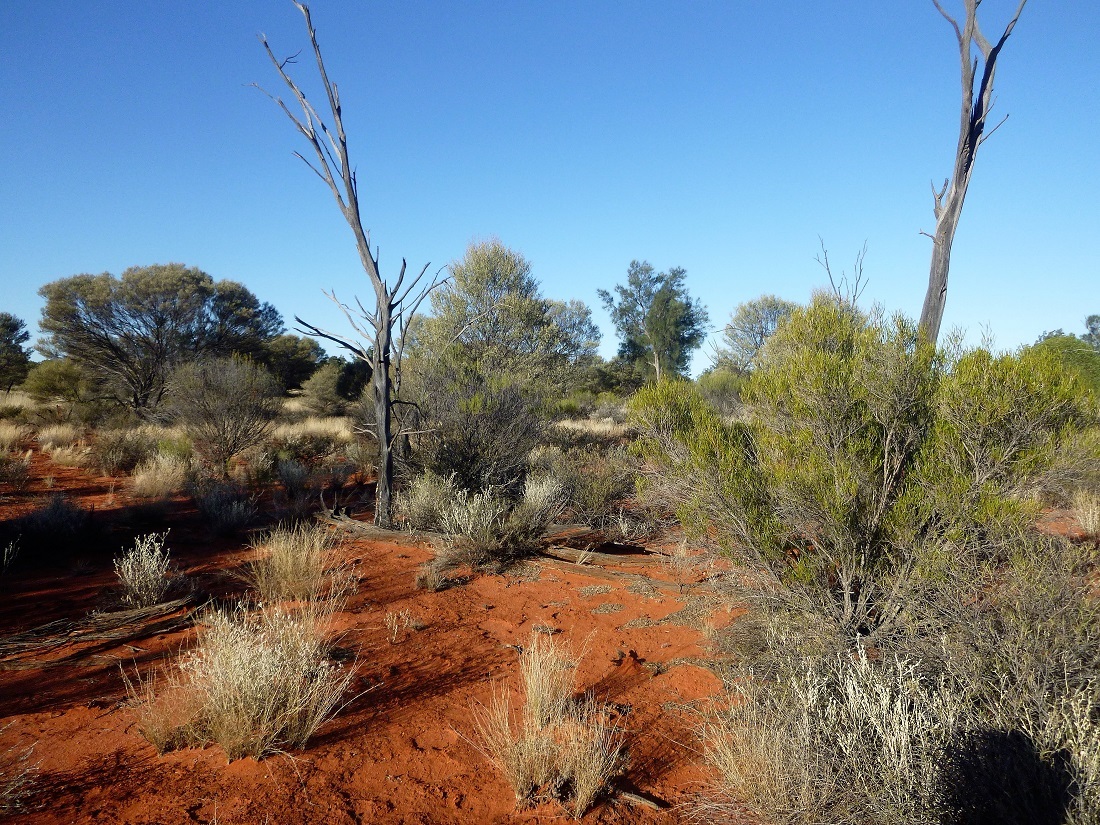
x,y
402,750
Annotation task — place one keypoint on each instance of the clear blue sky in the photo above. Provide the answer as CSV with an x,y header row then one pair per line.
x,y
723,137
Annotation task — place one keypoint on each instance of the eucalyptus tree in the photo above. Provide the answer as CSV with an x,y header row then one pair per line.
x,y
129,332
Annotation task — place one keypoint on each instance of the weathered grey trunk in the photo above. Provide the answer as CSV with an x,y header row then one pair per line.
x,y
382,392
395,305
936,298
972,122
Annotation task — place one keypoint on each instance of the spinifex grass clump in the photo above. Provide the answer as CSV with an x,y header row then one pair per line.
x,y
298,562
555,746
162,475
255,684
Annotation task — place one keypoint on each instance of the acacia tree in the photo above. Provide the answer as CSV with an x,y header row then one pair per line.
x,y
948,201
396,302
129,332
490,318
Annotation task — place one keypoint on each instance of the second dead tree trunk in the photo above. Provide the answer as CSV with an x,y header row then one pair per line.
x,y
974,111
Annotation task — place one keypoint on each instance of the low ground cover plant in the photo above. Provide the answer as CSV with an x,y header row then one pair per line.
x,y
483,529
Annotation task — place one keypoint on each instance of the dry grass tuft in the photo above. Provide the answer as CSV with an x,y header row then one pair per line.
x,y
163,475
58,435
338,428
255,684
71,455
299,562
556,747
1086,506
11,436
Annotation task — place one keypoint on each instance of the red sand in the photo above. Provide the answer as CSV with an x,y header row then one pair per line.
x,y
402,750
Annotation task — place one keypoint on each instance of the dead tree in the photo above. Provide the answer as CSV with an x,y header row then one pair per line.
x,y
948,201
395,304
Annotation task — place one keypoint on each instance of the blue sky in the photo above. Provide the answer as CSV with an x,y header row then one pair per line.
x,y
724,137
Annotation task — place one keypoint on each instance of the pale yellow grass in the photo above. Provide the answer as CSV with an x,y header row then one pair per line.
x,y
72,455
11,436
554,741
338,428
1086,506
600,427
58,435
255,684
16,398
161,476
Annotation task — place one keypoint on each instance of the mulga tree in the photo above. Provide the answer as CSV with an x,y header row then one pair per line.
x,y
395,301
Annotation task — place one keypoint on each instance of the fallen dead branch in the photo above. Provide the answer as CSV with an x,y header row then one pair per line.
x,y
121,625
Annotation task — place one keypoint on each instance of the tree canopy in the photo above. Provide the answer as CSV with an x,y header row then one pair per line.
x,y
291,359
15,360
749,327
130,331
657,321
490,318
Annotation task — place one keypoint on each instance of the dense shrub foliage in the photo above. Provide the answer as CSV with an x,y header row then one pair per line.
x,y
882,495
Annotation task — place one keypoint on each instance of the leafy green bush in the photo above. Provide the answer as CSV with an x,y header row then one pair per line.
x,y
861,446
224,405
721,387
480,433
882,496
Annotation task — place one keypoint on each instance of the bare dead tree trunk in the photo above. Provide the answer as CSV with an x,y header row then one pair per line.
x,y
948,201
396,304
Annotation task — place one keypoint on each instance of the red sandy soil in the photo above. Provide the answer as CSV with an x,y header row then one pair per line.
x,y
403,749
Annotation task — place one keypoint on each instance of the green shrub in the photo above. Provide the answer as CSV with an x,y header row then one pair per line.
x,y
721,387
860,446
320,392
225,507
480,433
594,482
224,405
